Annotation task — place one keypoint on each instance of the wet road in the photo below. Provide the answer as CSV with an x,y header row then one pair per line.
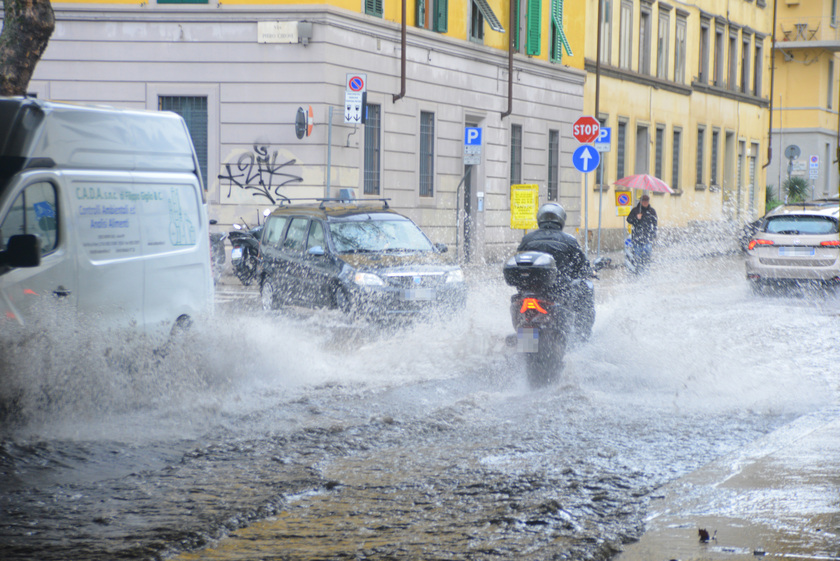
x,y
295,436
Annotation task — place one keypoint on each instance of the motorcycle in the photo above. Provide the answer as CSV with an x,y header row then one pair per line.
x,y
217,253
245,249
544,312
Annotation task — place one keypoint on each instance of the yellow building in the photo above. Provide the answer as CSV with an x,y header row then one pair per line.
x,y
684,88
806,131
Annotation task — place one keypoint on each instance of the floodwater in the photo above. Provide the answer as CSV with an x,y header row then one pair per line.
x,y
295,436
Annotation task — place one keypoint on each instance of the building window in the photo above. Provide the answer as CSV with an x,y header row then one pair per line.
x,y
642,149
713,179
759,64
733,59
660,149
433,14
621,146
194,112
676,146
719,55
625,48
373,8
601,170
830,100
745,64
644,39
679,50
182,1
834,13
427,154
701,137
663,39
553,164
557,41
530,25
606,31
516,154
753,190
481,12
703,69
373,149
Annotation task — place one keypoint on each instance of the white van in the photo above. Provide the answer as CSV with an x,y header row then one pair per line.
x,y
104,210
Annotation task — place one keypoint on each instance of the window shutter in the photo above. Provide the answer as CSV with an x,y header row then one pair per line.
x,y
534,26
515,27
441,23
420,13
373,7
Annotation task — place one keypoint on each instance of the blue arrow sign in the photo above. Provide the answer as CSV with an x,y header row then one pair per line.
x,y
586,158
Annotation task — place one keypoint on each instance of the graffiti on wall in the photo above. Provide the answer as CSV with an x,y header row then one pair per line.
x,y
259,172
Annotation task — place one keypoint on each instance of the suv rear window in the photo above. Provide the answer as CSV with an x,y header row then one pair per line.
x,y
801,225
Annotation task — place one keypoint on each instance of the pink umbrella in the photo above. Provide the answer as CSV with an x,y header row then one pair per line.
x,y
646,182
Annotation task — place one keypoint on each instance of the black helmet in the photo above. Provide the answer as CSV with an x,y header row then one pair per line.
x,y
551,213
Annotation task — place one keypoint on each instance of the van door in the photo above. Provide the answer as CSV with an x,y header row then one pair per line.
x,y
36,208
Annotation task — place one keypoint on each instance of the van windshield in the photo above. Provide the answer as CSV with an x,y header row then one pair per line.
x,y
378,235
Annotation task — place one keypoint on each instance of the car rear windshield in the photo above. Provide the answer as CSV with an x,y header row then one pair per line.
x,y
800,225
378,235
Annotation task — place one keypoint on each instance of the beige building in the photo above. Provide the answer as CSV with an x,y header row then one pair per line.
x,y
806,129
684,88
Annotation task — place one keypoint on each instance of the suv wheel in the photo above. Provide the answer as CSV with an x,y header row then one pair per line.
x,y
268,295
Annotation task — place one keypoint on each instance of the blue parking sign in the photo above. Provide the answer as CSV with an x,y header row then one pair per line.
x,y
472,136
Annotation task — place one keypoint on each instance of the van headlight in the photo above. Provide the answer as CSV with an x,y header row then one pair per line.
x,y
455,276
368,279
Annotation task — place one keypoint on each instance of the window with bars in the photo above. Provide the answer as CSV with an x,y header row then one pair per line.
x,y
427,154
701,136
373,149
515,154
194,111
660,150
676,146
620,149
553,164
433,14
713,179
374,7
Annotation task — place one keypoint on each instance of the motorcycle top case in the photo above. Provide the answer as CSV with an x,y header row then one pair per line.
x,y
530,270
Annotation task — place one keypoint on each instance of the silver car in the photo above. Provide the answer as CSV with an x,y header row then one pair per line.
x,y
796,244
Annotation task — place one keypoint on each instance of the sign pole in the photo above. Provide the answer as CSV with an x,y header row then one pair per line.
x,y
586,214
600,206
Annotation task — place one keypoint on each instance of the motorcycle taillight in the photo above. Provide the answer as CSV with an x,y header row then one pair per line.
x,y
531,304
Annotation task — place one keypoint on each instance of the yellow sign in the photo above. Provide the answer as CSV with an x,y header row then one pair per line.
x,y
524,200
623,203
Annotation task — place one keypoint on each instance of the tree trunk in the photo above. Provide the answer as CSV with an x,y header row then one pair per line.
x,y
27,26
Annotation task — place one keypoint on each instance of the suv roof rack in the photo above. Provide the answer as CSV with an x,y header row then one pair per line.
x,y
324,200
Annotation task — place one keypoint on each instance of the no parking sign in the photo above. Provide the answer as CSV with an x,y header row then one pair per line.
x,y
623,202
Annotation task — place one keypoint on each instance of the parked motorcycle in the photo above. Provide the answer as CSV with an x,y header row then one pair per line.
x,y
245,249
544,313
217,253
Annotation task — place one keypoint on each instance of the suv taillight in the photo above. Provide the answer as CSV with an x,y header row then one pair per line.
x,y
754,243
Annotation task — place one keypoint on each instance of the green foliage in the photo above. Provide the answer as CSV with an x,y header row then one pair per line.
x,y
796,189
771,202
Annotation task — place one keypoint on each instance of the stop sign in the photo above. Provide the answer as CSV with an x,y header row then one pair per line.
x,y
586,129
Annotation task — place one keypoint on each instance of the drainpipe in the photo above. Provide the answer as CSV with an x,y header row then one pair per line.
x,y
510,58
772,81
402,57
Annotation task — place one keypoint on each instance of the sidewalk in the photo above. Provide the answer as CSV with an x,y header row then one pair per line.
x,y
778,498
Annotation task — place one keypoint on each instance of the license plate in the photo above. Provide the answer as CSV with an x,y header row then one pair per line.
x,y
419,294
796,251
527,340
236,253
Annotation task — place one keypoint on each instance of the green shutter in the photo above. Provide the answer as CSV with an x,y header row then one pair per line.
x,y
420,13
560,35
441,23
373,7
515,27
534,27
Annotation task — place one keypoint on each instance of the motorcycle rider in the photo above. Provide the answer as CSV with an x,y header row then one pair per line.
x,y
572,265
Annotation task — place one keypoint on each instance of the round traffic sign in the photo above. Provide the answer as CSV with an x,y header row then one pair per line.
x,y
356,84
586,129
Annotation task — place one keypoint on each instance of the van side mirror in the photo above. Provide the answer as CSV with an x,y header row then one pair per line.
x,y
22,251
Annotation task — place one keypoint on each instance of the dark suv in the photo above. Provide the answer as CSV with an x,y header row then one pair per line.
x,y
358,256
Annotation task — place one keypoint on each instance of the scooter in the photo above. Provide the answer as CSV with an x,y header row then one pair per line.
x,y
245,249
217,253
543,312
